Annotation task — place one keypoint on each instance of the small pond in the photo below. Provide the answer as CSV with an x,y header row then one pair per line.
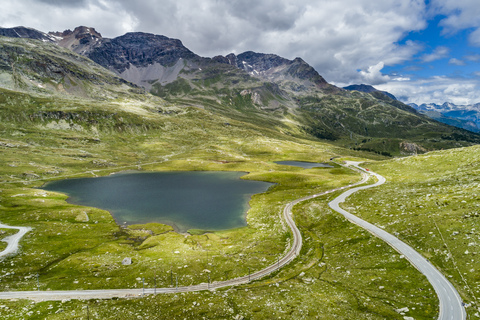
x,y
185,200
305,165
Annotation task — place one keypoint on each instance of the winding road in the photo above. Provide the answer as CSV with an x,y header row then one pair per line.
x,y
451,306
13,240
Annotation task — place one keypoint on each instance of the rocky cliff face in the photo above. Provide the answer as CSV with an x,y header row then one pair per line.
x,y
274,68
140,50
144,58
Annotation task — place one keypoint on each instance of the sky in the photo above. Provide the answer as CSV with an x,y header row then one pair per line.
x,y
422,51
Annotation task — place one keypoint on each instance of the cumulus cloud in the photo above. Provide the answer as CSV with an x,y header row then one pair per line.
x,y
473,57
50,15
65,3
437,90
373,75
439,53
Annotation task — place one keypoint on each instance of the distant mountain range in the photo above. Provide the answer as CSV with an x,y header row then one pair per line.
x,y
462,116
272,92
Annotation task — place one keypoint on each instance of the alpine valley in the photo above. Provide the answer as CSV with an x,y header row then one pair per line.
x,y
76,104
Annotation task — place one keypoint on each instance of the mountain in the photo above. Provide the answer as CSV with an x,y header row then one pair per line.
x,y
368,89
23,32
264,90
81,40
41,67
462,116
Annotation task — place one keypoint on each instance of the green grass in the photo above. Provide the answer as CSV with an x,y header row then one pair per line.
x,y
87,254
432,203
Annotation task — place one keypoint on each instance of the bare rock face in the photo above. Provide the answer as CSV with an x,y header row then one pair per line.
x,y
273,67
140,50
82,40
411,148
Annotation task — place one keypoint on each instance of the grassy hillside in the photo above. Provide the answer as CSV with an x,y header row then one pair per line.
x,y
43,68
355,120
432,203
351,273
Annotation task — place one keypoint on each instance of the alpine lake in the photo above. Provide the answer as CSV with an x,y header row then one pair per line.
x,y
202,200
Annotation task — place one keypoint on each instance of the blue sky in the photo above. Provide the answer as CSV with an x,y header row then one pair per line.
x,y
421,51
444,57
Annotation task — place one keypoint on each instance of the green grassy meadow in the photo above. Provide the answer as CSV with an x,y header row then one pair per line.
x,y
342,273
432,203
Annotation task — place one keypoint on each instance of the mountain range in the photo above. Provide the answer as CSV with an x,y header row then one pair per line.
x,y
463,116
267,90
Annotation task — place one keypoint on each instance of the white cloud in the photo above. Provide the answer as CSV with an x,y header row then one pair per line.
x,y
105,16
473,57
435,90
456,62
437,54
373,75
460,15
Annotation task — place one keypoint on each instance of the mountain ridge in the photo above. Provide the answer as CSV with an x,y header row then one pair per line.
x,y
368,89
262,89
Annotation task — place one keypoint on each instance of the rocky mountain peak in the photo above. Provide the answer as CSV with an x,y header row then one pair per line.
x,y
140,50
24,32
81,40
79,33
273,67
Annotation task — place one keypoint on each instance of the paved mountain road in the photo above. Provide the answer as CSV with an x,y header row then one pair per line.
x,y
13,240
451,307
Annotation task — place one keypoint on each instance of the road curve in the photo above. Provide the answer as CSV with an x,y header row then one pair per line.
x,y
451,306
13,240
121,293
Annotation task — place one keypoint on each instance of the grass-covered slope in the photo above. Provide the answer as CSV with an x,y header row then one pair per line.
x,y
266,90
432,202
355,120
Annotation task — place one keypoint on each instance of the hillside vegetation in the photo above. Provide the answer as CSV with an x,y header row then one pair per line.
x,y
432,203
51,129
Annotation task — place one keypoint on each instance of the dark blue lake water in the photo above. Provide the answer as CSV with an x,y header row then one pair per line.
x,y
186,200
305,165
